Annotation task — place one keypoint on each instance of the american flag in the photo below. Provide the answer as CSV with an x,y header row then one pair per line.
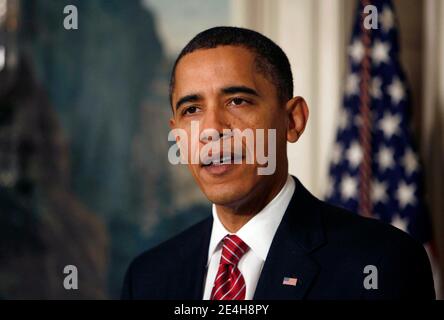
x,y
290,281
375,169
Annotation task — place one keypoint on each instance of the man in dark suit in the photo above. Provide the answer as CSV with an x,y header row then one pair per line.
x,y
268,237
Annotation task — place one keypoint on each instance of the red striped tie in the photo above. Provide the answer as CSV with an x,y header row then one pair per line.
x,y
229,283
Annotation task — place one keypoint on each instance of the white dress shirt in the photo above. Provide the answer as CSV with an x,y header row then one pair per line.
x,y
257,233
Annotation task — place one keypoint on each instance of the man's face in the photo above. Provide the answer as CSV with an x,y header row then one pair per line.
x,y
221,88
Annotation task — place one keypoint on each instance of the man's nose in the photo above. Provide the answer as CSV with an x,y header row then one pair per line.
x,y
213,124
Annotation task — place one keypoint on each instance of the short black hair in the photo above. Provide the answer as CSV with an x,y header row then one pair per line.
x,y
270,58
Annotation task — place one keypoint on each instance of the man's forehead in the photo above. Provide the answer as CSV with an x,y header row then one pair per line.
x,y
219,54
216,68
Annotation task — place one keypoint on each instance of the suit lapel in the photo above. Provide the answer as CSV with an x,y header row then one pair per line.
x,y
299,233
192,267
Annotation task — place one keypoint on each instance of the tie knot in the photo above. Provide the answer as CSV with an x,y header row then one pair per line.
x,y
233,249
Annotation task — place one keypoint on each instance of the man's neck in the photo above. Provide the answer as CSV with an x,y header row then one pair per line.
x,y
235,217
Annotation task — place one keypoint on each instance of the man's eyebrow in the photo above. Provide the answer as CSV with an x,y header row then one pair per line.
x,y
227,90
188,98
240,89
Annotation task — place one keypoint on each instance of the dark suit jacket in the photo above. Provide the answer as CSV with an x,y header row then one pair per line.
x,y
326,248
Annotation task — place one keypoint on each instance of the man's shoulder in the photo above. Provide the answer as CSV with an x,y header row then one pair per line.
x,y
369,236
345,230
174,247
154,267
341,224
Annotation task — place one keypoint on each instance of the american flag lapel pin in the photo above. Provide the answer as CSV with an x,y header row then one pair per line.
x,y
290,281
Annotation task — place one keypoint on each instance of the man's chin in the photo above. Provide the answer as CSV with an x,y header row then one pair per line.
x,y
226,184
226,194
224,199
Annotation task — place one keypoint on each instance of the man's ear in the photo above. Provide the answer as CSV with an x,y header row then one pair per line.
x,y
297,113
172,123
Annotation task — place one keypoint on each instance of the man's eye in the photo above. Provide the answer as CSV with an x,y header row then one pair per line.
x,y
237,101
190,110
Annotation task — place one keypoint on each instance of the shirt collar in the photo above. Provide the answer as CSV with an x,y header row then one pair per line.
x,y
259,231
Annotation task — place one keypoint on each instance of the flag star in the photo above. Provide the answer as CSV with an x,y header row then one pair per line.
x,y
405,194
349,187
385,158
344,119
379,192
380,52
389,124
356,51
337,153
400,223
387,19
375,88
410,161
352,84
354,154
396,91
358,119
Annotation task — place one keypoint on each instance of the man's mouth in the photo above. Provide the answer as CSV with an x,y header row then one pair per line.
x,y
221,159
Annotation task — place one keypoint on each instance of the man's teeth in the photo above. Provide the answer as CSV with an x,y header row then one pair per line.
x,y
230,159
222,161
